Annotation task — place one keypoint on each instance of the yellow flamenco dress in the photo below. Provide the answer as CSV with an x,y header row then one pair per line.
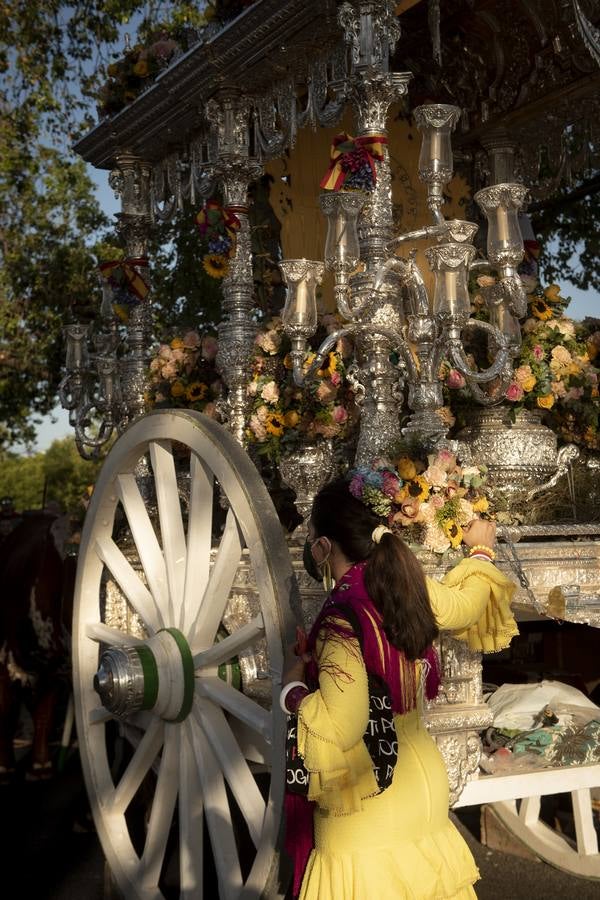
x,y
398,844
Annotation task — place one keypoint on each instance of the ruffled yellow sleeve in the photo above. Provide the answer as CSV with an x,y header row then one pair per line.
x,y
473,601
331,725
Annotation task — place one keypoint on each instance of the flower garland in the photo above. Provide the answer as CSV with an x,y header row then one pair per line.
x,y
555,371
428,502
183,374
284,415
218,227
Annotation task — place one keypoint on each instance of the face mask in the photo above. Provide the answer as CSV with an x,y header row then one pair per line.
x,y
309,562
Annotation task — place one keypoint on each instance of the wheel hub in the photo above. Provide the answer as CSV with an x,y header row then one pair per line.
x,y
157,675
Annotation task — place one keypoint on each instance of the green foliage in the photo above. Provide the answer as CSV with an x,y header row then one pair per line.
x,y
572,230
59,474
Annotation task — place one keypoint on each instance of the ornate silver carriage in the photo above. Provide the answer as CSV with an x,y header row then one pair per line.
x,y
179,635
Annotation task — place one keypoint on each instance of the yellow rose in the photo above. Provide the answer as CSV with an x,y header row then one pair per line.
x,y
177,344
546,402
481,505
406,468
141,68
529,383
177,389
291,419
552,293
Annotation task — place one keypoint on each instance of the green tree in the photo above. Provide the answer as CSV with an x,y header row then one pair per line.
x,y
58,474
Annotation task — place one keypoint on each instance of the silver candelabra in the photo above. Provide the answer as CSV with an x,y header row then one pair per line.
x,y
422,328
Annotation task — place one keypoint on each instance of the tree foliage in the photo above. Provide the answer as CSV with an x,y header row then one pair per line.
x,y
58,475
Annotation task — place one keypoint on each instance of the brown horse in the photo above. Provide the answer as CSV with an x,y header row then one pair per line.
x,y
33,636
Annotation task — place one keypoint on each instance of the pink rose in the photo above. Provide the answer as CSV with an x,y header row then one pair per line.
x,y
455,380
445,460
210,348
558,388
514,392
336,378
574,393
340,415
409,511
164,351
191,340
437,501
538,352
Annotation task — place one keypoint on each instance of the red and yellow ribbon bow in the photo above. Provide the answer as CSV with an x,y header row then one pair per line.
x,y
349,154
214,220
121,273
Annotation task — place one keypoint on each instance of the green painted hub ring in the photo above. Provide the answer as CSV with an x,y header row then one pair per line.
x,y
150,671
188,674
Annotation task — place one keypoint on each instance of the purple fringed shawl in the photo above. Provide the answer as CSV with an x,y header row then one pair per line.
x,y
381,659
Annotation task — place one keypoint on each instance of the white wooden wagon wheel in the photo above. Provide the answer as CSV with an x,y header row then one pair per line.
x,y
165,693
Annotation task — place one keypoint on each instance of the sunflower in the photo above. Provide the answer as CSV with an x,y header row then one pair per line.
x,y
216,265
274,423
196,391
453,532
540,309
417,488
330,368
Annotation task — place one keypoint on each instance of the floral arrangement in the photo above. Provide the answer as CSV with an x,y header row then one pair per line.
x,y
183,374
429,502
159,45
218,227
283,415
555,371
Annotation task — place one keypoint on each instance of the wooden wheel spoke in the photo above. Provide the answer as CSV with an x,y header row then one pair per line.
x,y
234,766
237,704
214,600
134,589
141,762
104,634
147,545
99,716
199,538
191,841
163,806
218,817
171,524
230,646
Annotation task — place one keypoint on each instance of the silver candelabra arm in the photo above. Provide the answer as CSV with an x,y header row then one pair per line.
x,y
93,432
500,369
298,352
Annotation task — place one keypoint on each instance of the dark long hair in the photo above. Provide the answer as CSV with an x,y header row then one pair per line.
x,y
394,577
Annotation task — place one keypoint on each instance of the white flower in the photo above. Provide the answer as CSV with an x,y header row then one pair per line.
x,y
465,512
435,476
270,392
435,540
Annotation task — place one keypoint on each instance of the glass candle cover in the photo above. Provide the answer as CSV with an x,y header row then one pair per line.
x,y
450,266
76,356
341,209
436,123
501,204
301,277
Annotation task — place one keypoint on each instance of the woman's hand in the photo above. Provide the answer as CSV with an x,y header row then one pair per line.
x,y
296,657
480,532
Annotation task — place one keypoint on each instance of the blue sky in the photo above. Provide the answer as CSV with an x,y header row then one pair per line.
x,y
583,303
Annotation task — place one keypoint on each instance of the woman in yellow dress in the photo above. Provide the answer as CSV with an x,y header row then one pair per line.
x,y
396,842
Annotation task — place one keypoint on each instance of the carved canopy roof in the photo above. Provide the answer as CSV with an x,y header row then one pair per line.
x,y
528,67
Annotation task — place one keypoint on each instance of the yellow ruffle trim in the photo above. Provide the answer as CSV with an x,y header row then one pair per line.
x,y
438,865
497,626
339,779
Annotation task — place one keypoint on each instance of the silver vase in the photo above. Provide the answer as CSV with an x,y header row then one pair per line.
x,y
522,457
305,470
